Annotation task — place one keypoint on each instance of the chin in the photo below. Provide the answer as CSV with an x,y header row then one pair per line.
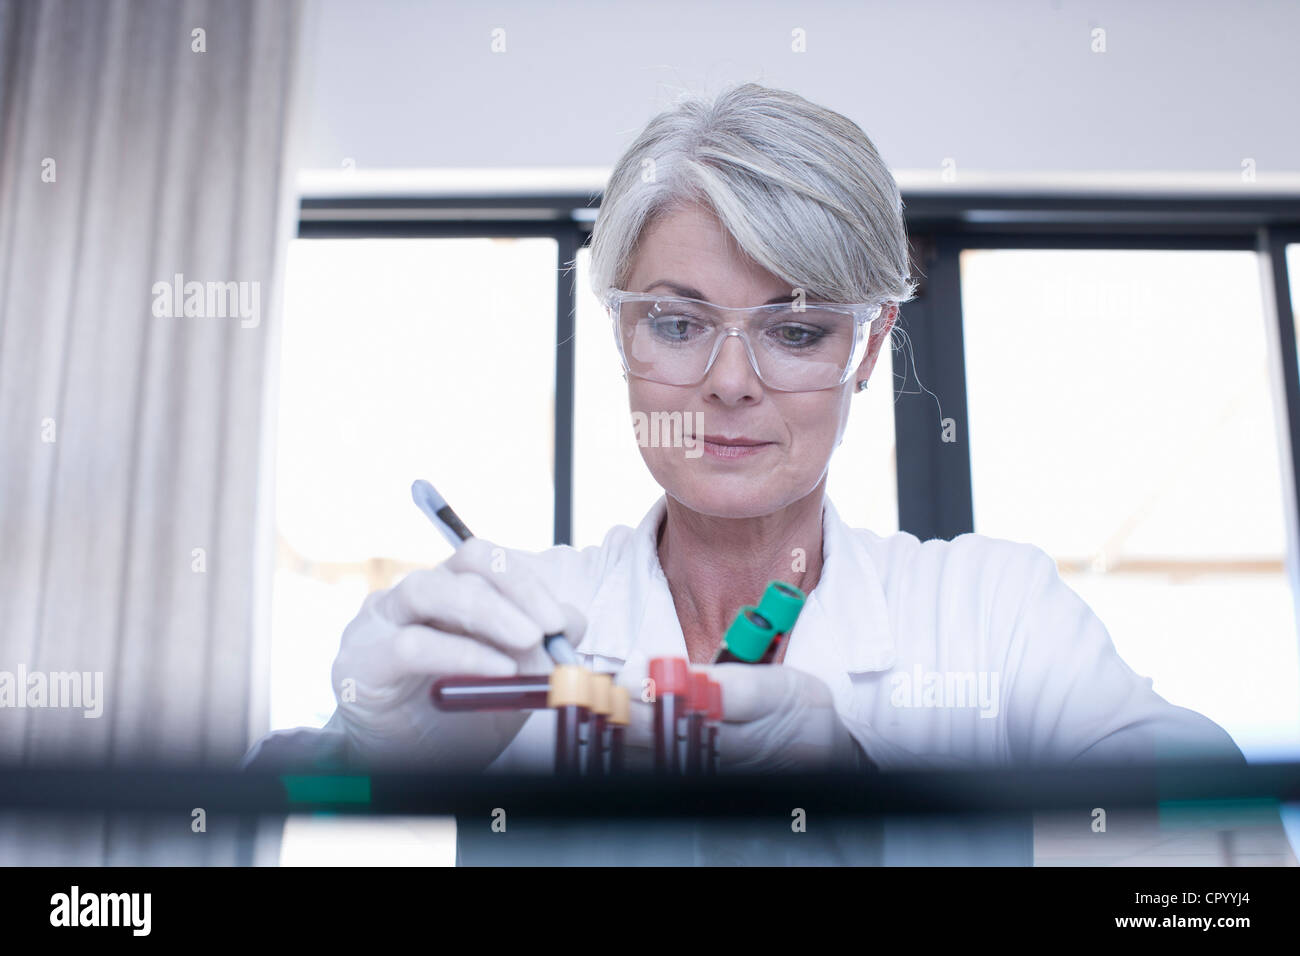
x,y
729,499
719,506
744,493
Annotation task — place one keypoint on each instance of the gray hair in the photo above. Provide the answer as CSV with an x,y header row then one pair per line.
x,y
800,188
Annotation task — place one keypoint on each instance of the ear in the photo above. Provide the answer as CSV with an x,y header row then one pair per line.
x,y
880,330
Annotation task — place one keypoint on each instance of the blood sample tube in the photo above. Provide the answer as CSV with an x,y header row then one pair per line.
x,y
712,718
671,679
697,707
780,605
570,697
748,638
467,692
759,632
620,712
601,687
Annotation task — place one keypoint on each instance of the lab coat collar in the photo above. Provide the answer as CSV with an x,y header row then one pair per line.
x,y
848,604
845,618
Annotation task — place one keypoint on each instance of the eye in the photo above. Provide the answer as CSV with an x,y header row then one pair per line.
x,y
797,336
675,324
675,328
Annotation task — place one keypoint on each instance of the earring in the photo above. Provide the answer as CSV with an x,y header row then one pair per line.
x,y
862,385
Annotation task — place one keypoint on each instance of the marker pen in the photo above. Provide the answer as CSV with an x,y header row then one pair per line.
x,y
453,529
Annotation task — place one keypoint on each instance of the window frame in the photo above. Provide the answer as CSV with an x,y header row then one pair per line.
x,y
933,476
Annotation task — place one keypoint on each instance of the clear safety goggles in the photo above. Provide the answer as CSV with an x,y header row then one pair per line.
x,y
792,346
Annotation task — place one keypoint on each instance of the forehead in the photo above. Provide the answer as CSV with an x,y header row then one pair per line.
x,y
690,251
669,287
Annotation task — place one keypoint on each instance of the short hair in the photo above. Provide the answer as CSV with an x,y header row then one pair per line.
x,y
800,188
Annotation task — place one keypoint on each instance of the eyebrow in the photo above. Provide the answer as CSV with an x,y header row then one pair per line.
x,y
690,293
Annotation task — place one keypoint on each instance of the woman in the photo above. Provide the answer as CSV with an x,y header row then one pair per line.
x,y
753,257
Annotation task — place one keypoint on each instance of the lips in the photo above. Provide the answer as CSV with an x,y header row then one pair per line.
x,y
727,448
740,441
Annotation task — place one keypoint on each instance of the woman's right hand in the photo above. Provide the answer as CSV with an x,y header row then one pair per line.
x,y
482,611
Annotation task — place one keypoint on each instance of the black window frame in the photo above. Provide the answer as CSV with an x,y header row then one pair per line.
x,y
934,478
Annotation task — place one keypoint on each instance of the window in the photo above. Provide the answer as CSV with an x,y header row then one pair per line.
x,y
1122,418
401,359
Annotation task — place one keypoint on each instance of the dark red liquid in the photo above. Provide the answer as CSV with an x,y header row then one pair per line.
x,y
775,653
463,693
568,720
617,755
596,746
775,650
695,743
669,709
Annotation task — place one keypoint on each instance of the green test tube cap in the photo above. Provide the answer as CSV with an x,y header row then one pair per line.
x,y
781,605
750,634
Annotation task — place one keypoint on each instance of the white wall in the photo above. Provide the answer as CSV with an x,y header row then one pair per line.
x,y
1003,85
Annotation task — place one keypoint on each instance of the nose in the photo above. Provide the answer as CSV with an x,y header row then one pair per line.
x,y
733,377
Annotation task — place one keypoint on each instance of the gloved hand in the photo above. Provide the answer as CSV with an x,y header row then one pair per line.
x,y
781,719
465,616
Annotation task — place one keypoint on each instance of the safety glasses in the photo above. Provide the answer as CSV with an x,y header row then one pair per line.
x,y
792,347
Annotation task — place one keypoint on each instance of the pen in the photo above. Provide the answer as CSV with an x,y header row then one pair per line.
x,y
453,529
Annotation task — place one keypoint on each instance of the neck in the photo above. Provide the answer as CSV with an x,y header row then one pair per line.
x,y
715,565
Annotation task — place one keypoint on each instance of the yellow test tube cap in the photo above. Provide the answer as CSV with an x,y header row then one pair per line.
x,y
570,686
620,708
601,685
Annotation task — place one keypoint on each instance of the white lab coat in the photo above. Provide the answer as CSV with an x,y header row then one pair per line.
x,y
969,652
892,622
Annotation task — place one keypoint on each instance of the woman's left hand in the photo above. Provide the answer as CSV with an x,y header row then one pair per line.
x,y
779,718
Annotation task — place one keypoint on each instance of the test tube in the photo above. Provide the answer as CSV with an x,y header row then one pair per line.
x,y
570,696
671,678
602,686
697,707
467,692
747,639
711,725
620,713
758,633
780,605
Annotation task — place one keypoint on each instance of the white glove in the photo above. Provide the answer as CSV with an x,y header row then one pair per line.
x,y
463,617
781,719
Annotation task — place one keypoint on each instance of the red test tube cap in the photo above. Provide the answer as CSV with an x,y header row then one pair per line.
x,y
671,675
715,700
697,701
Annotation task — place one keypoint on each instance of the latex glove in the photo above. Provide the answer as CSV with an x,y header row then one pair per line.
x,y
781,719
464,616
